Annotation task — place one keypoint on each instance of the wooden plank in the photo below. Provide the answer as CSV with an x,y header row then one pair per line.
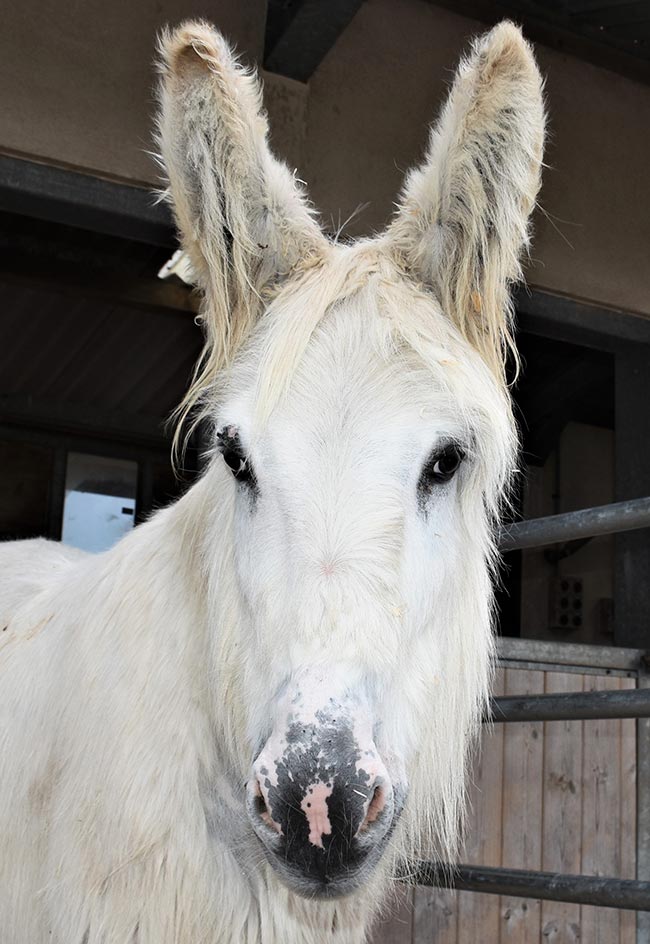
x,y
77,199
562,811
396,927
561,800
522,811
565,319
478,915
643,810
435,916
601,819
628,815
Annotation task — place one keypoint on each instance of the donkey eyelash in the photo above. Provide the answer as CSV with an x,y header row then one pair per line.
x,y
234,455
440,468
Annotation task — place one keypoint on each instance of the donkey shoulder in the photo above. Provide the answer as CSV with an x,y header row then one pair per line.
x,y
27,568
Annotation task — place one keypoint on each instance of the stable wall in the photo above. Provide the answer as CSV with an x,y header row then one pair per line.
x,y
579,473
77,91
370,104
77,80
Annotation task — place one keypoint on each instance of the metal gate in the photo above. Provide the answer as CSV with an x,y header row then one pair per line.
x,y
609,892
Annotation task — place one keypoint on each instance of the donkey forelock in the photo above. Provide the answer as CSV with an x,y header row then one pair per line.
x,y
249,229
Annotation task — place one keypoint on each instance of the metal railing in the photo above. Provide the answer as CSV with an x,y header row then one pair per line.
x,y
549,886
586,523
571,706
607,892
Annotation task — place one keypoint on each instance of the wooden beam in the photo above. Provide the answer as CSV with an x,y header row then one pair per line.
x,y
300,34
122,289
66,196
632,551
578,322
25,411
570,654
82,441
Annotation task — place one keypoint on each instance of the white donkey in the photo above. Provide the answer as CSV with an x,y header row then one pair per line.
x,y
209,732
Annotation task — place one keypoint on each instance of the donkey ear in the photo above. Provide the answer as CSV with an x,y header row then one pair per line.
x,y
243,219
463,218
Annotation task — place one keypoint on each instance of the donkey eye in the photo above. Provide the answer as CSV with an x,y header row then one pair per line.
x,y
237,463
441,467
234,456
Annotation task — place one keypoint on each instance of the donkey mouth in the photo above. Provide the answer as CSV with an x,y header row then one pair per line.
x,y
340,861
321,882
321,873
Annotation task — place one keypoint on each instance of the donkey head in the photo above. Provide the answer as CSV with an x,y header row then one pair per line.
x,y
363,443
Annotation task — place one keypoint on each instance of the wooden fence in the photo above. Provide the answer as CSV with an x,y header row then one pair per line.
x,y
556,796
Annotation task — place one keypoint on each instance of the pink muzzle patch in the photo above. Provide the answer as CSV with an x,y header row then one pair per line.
x,y
314,806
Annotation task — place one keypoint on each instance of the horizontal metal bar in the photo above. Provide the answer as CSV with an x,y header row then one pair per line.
x,y
586,523
570,654
571,706
549,886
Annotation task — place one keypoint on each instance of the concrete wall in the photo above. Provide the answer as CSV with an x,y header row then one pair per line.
x,y
369,107
77,91
76,81
579,473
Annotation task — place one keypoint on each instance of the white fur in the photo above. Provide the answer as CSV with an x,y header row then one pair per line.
x,y
138,685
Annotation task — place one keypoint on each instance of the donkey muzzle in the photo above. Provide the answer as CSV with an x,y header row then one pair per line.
x,y
322,804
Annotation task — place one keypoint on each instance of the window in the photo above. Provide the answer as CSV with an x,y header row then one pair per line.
x,y
99,506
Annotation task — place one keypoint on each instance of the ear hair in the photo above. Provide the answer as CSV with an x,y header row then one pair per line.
x,y
463,218
243,219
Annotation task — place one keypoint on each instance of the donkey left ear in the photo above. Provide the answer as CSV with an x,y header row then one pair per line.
x,y
243,219
463,218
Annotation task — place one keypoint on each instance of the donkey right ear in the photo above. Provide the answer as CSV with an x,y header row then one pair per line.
x,y
243,220
463,219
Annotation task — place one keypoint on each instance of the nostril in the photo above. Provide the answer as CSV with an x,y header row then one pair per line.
x,y
375,807
376,804
261,808
260,803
